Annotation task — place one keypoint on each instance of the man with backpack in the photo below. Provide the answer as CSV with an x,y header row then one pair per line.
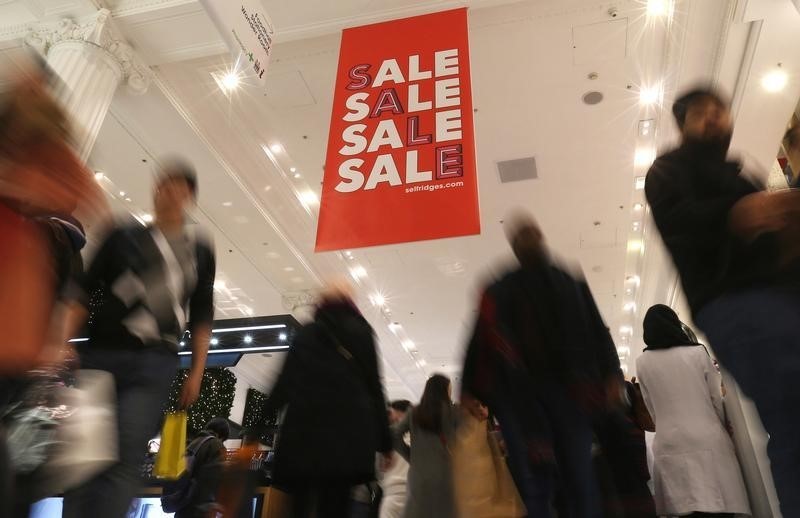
x,y
205,459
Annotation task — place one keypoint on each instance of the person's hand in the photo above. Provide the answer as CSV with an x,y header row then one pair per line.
x,y
762,212
191,390
387,461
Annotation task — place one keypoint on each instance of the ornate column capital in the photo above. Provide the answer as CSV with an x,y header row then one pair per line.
x,y
98,31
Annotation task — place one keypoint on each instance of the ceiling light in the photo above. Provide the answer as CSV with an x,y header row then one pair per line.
x,y
297,175
649,95
230,81
359,272
624,350
775,81
147,218
638,206
267,188
227,204
122,193
646,127
408,345
182,343
309,198
394,327
633,279
658,7
629,307
282,337
625,330
219,285
128,200
248,339
276,148
644,157
288,269
99,176
636,226
635,245
292,169
378,300
214,341
638,183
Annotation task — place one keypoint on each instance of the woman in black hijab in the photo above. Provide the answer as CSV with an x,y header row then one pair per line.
x,y
695,470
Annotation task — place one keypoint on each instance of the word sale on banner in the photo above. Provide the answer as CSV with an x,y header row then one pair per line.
x,y
400,165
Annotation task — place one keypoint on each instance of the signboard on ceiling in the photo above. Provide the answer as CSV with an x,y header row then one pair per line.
x,y
247,30
400,165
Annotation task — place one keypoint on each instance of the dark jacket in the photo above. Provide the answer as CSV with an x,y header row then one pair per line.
x,y
207,471
537,326
336,418
691,191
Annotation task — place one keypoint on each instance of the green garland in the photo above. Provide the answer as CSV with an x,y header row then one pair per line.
x,y
255,418
216,397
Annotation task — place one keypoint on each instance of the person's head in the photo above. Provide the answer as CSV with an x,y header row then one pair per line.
x,y
663,328
175,191
220,428
339,289
398,410
436,397
526,238
703,116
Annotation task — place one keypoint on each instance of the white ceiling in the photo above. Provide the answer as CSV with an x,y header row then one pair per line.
x,y
530,65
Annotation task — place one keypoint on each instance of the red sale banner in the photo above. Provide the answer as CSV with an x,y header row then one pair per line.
x,y
400,165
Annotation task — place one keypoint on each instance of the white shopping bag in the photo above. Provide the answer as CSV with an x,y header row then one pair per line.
x,y
86,440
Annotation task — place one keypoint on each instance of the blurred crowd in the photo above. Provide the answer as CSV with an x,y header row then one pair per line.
x,y
544,422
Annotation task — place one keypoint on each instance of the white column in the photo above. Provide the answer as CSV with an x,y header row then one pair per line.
x,y
92,61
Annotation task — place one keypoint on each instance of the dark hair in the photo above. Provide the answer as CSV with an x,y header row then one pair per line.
x,y
430,412
401,405
173,168
682,104
219,427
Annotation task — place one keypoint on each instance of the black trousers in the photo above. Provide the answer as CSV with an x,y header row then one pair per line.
x,y
321,500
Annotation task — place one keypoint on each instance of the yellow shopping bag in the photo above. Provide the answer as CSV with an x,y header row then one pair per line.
x,y
171,460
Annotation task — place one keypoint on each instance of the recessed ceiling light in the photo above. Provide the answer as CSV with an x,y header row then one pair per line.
x,y
378,300
99,176
147,218
626,330
230,81
298,175
394,327
633,279
646,127
309,197
219,285
638,206
775,81
128,200
182,343
359,272
638,183
214,341
292,169
276,148
122,193
629,307
288,269
658,7
635,245
623,350
227,203
644,157
248,339
267,188
282,337
649,95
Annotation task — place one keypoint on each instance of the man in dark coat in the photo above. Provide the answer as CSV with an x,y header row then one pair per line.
x,y
728,240
335,419
542,360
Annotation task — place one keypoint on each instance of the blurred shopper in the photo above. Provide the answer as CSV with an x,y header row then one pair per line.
x,y
39,175
143,281
395,480
432,426
543,361
207,452
696,472
483,485
725,238
335,419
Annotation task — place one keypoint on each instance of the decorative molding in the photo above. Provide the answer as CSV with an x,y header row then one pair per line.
x,y
298,300
97,31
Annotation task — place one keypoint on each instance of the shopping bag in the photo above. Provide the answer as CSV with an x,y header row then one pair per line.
x,y
171,461
86,440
